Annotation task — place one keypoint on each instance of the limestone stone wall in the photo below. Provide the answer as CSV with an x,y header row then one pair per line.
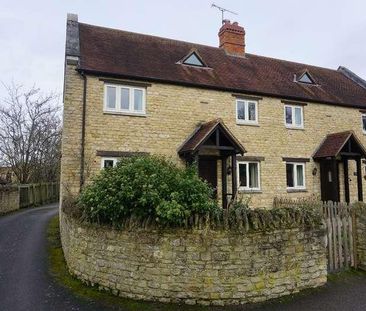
x,y
172,114
195,266
9,199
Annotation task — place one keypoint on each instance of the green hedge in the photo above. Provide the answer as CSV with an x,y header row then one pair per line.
x,y
147,187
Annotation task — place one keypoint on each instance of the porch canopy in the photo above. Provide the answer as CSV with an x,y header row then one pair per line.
x,y
336,148
208,143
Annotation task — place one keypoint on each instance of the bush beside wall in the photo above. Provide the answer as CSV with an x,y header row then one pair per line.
x,y
196,266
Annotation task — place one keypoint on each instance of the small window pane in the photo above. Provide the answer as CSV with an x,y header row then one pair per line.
x,y
251,111
242,175
290,175
125,99
305,79
300,175
111,97
288,115
253,175
241,110
298,116
108,163
138,97
364,123
193,60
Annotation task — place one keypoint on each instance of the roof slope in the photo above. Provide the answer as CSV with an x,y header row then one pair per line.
x,y
132,55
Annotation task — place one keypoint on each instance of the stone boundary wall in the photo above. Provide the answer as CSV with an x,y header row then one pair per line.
x,y
205,267
9,198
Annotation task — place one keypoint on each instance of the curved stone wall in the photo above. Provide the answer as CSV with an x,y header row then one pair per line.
x,y
195,266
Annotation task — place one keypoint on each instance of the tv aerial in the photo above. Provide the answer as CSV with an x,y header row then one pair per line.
x,y
223,10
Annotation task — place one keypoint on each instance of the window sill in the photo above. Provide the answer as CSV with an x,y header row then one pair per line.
x,y
249,191
295,128
247,124
296,190
131,114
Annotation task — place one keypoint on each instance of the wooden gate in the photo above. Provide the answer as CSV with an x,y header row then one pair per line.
x,y
340,223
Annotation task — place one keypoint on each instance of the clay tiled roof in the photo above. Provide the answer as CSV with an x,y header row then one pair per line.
x,y
333,144
203,132
124,54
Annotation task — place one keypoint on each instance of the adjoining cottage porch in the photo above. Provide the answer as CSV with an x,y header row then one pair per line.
x,y
334,156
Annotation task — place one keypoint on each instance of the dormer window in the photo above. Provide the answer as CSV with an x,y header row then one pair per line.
x,y
306,78
193,59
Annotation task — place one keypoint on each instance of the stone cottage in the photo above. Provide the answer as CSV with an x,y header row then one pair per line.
x,y
257,126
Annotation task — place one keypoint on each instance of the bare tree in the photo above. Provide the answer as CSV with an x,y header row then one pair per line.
x,y
30,134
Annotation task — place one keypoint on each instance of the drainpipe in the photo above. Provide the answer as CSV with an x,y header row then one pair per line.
x,y
82,151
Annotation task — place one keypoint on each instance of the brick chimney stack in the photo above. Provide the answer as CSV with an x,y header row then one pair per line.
x,y
232,38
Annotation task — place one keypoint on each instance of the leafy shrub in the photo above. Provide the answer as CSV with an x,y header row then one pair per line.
x,y
143,188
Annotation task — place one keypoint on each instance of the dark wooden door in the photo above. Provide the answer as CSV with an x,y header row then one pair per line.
x,y
207,170
329,180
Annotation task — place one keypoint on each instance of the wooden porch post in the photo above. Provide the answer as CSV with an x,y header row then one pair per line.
x,y
234,185
224,181
346,180
359,179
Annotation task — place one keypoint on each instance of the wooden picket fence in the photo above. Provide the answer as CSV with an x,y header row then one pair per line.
x,y
38,194
340,223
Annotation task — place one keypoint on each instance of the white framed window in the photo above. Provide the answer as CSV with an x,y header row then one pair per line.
x,y
363,122
295,175
246,111
108,162
124,99
248,175
294,116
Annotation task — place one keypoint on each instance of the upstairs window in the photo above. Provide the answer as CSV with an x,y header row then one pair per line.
x,y
363,122
295,175
124,99
246,112
294,116
248,176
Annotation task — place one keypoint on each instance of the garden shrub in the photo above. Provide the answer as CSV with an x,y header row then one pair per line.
x,y
147,187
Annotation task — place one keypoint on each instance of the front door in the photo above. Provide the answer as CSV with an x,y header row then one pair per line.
x,y
207,170
329,180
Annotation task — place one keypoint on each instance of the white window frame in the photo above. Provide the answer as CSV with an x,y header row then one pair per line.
x,y
363,115
296,186
130,110
115,160
248,188
246,107
293,125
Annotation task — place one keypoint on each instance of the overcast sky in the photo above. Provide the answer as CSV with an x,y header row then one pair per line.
x,y
326,33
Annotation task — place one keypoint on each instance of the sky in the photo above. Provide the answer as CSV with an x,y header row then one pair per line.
x,y
325,33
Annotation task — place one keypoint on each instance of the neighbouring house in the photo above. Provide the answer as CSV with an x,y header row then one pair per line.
x,y
263,126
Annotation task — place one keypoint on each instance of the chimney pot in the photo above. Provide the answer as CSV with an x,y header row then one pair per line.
x,y
232,38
